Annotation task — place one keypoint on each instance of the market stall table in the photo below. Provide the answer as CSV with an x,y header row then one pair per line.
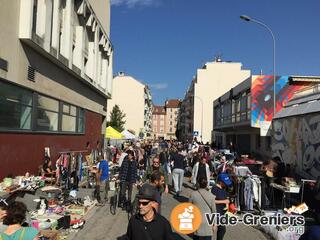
x,y
285,190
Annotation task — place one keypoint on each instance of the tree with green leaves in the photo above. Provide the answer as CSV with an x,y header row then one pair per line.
x,y
117,118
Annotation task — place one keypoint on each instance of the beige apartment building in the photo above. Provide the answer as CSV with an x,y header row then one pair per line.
x,y
164,119
159,122
210,82
55,78
172,112
135,100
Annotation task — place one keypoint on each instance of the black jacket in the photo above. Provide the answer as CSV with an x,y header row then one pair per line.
x,y
178,161
124,171
158,229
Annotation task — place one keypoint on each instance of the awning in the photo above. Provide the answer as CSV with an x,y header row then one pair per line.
x,y
299,109
128,135
112,133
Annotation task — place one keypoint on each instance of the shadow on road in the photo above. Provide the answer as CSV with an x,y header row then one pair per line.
x,y
123,237
181,199
176,236
190,186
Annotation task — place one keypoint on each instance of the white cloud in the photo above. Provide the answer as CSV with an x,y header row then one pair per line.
x,y
134,3
159,86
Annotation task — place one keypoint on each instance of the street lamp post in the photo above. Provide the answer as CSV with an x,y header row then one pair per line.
x,y
201,115
249,19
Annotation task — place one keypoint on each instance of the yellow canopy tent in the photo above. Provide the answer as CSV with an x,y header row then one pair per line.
x,y
112,133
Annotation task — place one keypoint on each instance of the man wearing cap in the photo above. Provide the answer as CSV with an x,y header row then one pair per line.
x,y
222,201
148,224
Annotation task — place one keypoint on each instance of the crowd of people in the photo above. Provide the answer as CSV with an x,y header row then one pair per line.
x,y
149,166
156,168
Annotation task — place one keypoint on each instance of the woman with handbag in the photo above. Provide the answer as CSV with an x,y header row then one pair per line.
x,y
205,201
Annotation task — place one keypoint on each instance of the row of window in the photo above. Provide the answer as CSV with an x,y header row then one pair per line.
x,y
232,111
21,109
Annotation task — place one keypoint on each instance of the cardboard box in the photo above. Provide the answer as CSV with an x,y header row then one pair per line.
x,y
50,234
76,209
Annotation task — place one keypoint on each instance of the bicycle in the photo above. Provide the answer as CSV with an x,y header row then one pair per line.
x,y
132,208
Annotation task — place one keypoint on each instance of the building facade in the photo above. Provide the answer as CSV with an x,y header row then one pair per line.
x,y
243,115
159,123
55,77
211,81
172,112
135,100
165,119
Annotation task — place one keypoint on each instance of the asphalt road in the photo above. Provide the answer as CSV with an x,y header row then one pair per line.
x,y
103,225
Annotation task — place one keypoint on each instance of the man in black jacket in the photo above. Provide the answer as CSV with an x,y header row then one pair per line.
x,y
148,224
128,176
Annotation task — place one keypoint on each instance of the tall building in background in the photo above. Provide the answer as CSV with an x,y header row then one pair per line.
x,y
172,112
211,81
135,100
55,78
159,122
165,118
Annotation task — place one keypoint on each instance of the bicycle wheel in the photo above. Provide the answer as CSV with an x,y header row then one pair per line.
x,y
129,210
132,208
113,204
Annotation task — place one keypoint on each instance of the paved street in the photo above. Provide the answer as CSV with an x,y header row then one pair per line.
x,y
103,225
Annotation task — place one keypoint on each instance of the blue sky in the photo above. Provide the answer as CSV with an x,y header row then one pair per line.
x,y
163,42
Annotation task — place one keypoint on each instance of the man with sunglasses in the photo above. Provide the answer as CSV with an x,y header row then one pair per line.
x,y
148,224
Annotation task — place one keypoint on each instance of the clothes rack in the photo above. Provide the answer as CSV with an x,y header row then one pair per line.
x,y
80,151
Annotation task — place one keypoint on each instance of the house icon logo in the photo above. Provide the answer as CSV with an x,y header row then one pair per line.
x,y
186,218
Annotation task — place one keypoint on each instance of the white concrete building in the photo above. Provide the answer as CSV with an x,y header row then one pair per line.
x,y
55,78
135,100
211,81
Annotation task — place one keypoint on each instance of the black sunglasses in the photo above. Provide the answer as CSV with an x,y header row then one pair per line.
x,y
144,203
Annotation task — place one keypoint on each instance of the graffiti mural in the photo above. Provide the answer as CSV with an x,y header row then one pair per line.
x,y
296,141
262,97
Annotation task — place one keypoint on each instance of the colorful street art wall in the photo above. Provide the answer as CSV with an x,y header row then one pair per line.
x,y
262,97
296,141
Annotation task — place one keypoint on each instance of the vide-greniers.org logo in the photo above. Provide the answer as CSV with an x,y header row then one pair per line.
x,y
186,218
252,220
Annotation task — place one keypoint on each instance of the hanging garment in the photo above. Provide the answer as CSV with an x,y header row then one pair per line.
x,y
248,194
65,160
242,171
257,190
79,166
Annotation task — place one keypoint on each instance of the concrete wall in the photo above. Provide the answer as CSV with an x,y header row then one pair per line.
x,y
128,93
296,141
102,11
212,82
50,79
